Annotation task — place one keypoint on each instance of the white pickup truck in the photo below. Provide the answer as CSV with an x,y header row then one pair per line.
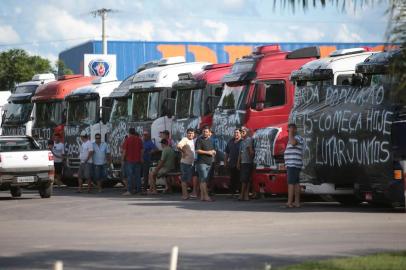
x,y
24,164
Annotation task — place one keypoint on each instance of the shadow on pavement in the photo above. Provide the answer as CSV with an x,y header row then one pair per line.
x,y
225,202
104,260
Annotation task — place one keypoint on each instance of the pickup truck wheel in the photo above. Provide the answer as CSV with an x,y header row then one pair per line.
x,y
46,191
15,192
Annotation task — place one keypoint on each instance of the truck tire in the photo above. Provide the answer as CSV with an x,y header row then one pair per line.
x,y
15,192
45,191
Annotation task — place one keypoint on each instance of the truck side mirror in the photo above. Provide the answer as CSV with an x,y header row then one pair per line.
x,y
106,109
259,98
211,104
168,107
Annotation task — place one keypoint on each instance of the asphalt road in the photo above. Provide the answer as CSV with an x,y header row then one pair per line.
x,y
110,231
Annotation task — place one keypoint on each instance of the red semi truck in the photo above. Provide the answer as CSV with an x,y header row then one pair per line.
x,y
49,106
258,94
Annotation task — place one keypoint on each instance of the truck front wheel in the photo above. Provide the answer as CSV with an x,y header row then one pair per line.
x,y
15,192
46,191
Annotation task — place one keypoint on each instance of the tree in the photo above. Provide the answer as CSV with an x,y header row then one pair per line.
x,y
61,69
17,66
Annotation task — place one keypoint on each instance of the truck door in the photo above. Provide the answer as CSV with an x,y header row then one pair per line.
x,y
268,104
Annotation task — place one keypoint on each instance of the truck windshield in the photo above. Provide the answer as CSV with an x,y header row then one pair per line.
x,y
82,112
145,105
119,110
16,144
48,113
16,113
188,103
232,97
21,89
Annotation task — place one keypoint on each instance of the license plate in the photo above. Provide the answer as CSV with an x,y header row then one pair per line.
x,y
25,179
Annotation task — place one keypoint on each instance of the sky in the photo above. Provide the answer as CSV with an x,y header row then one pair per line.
x,y
48,27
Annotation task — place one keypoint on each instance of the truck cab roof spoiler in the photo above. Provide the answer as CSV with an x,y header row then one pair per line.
x,y
307,52
378,63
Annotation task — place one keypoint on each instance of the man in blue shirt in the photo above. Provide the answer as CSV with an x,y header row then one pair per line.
x,y
101,156
149,149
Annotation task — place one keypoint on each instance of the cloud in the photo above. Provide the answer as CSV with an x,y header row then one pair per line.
x,y
344,34
130,31
218,30
8,35
281,33
239,7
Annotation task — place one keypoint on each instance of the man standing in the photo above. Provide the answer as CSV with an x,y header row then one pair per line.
x,y
86,161
294,162
205,157
101,156
58,150
165,165
149,148
132,156
246,159
187,148
231,158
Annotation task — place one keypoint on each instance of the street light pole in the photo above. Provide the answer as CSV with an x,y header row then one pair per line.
x,y
103,14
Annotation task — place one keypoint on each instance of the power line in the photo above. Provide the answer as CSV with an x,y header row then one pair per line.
x,y
44,42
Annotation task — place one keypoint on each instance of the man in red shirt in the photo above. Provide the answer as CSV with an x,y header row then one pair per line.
x,y
132,156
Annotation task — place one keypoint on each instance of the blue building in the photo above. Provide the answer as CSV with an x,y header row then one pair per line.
x,y
131,54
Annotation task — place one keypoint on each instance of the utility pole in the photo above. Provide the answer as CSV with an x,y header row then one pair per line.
x,y
102,13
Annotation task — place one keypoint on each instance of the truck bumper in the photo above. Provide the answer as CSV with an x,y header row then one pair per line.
x,y
325,189
33,180
270,183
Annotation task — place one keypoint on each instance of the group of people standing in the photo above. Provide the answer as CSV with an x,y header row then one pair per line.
x,y
197,154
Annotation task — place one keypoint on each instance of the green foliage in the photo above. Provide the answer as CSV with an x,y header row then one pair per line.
x,y
62,69
384,261
17,66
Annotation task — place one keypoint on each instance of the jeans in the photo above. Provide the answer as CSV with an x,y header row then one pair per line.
x,y
133,170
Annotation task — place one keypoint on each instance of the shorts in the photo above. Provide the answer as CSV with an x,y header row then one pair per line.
x,y
293,175
203,171
162,172
187,172
245,172
58,167
85,170
99,172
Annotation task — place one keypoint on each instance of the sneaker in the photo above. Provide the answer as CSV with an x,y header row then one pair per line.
x,y
126,193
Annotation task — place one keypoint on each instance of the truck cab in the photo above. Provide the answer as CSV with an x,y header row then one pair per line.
x,y
50,108
196,99
377,71
257,94
17,117
153,97
84,113
337,69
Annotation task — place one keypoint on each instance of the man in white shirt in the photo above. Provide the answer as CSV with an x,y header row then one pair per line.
x,y
58,150
86,161
101,156
187,147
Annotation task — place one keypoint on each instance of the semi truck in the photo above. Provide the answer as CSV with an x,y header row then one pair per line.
x,y
258,94
17,117
149,101
50,108
271,177
85,111
354,132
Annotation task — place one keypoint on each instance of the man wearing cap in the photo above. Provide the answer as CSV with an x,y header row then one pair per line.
x,y
165,165
86,161
133,151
